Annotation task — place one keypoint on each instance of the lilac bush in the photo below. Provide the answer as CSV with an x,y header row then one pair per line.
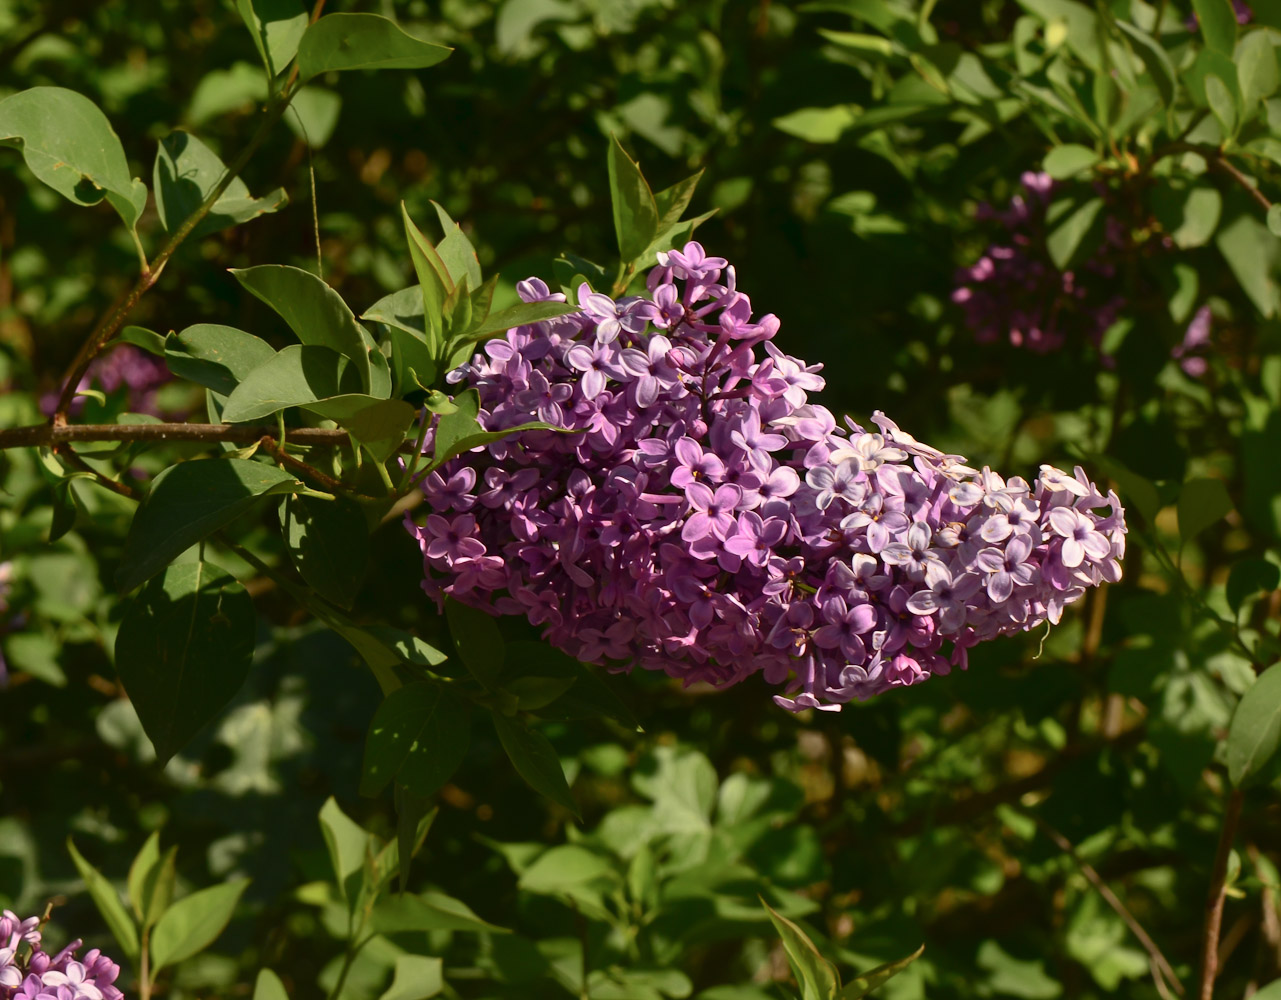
x,y
1014,291
705,518
27,972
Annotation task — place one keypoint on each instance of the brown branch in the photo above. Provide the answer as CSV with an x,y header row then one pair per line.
x,y
1214,902
1160,967
42,435
1214,157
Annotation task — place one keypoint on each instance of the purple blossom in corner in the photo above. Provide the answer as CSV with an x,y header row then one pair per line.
x,y
27,972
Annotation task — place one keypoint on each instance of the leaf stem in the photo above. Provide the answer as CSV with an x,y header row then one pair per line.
x,y
1214,902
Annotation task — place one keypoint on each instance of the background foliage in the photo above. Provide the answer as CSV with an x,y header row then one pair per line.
x,y
847,146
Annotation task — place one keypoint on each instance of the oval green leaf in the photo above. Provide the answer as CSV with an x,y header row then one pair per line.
x,y
363,41
1255,730
419,736
535,760
194,923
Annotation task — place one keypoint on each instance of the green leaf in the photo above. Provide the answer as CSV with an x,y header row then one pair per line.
x,y
1189,214
1249,577
313,115
409,648
1222,103
185,174
1218,24
416,977
414,817
328,541
299,375
148,340
519,315
68,144
277,27
1270,992
430,911
378,424
820,125
107,900
1256,69
269,987
1252,252
1155,60
193,923
1067,242
217,357
419,737
190,501
347,844
1255,731
534,760
1069,160
151,881
1274,220
402,310
434,281
313,310
479,643
562,867
672,202
816,976
456,251
635,210
868,981
362,41
1202,502
183,650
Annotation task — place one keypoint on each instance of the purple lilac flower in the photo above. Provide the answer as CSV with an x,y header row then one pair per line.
x,y
706,519
126,367
1195,339
27,972
1015,292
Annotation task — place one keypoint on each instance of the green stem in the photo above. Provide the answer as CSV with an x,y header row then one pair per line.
x,y
144,970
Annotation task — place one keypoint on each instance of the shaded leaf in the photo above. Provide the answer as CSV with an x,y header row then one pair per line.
x,y
429,911
868,981
299,375
185,174
1249,577
362,41
277,27
534,760
419,737
1202,502
816,976
328,542
1255,731
217,357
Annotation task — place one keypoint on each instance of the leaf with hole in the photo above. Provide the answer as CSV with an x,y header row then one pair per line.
x,y
68,144
362,41
183,650
185,174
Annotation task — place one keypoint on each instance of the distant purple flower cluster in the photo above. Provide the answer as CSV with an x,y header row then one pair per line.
x,y
28,973
1014,290
128,367
1190,353
1239,7
704,518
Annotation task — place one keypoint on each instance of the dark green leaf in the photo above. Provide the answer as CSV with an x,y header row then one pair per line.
x,y
107,900
362,41
419,737
402,310
193,923
1067,240
1252,252
277,26
313,115
868,981
217,357
378,424
313,310
1069,160
1249,577
1255,731
187,503
1274,220
328,542
1189,214
478,641
672,202
409,648
1155,59
1218,24
186,172
1202,502
297,376
347,844
429,911
414,817
434,281
183,650
148,340
635,211
69,145
534,760
816,976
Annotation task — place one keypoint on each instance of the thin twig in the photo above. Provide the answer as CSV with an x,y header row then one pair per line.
x,y
1216,159
1214,902
41,435
1160,967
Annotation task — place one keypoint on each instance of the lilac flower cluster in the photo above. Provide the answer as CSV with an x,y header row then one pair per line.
x,y
1196,338
139,373
29,973
1014,290
703,517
